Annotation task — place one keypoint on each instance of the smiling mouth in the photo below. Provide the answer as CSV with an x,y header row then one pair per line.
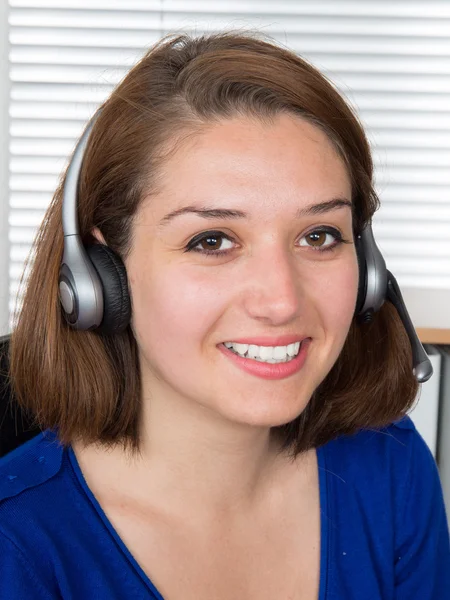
x,y
265,354
267,367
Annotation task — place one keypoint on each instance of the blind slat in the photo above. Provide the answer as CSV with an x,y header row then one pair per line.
x,y
393,9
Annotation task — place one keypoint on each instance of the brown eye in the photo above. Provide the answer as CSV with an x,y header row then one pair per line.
x,y
322,239
317,238
212,242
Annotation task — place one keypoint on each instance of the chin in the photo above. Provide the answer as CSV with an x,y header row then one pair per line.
x,y
264,414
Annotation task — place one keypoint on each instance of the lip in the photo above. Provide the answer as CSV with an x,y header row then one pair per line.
x,y
264,340
268,370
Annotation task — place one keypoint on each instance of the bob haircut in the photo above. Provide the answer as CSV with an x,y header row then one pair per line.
x,y
86,385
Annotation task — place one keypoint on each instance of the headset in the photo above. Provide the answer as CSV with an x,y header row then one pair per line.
x,y
93,285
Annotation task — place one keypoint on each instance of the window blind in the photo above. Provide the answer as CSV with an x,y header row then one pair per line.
x,y
390,59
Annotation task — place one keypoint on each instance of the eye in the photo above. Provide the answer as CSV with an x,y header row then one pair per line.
x,y
210,243
322,239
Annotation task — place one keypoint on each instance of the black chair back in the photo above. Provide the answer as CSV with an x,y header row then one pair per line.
x,y
15,427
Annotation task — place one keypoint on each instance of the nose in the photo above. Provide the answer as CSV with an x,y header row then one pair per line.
x,y
274,290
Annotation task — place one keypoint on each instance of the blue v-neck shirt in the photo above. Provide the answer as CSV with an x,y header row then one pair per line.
x,y
384,530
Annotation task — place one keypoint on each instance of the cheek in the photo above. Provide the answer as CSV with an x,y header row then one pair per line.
x,y
174,309
336,297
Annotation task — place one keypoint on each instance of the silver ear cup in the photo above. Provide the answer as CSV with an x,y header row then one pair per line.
x,y
375,273
362,280
67,295
80,289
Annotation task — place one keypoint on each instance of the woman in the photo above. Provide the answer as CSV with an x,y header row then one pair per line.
x,y
178,461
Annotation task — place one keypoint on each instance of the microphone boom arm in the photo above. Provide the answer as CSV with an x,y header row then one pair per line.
x,y
422,367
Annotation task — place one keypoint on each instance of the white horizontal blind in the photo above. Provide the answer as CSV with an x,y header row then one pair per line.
x,y
390,58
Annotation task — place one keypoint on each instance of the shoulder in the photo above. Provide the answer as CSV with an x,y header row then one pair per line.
x,y
376,444
30,465
379,447
31,486
383,464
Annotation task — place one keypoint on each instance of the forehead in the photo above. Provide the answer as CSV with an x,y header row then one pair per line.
x,y
242,160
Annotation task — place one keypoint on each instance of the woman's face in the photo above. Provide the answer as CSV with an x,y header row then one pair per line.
x,y
278,270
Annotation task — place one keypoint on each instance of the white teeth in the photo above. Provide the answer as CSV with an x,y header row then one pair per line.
x,y
266,353
253,351
270,354
281,352
241,348
293,348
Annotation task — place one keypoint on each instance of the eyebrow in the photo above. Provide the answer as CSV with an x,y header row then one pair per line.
x,y
226,213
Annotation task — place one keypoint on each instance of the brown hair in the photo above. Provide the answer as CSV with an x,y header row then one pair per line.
x,y
87,385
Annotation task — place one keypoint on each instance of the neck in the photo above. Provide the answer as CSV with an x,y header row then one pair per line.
x,y
210,461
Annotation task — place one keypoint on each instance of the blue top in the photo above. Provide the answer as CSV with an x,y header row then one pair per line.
x,y
384,530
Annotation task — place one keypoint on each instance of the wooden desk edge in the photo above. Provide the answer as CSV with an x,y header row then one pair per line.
x,y
433,336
